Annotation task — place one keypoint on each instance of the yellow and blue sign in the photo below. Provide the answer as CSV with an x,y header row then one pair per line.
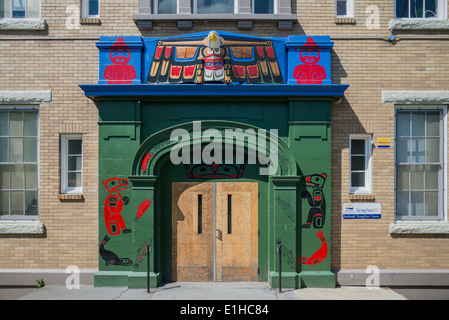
x,y
383,142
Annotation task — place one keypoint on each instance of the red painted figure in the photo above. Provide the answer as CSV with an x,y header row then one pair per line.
x,y
309,72
113,205
119,72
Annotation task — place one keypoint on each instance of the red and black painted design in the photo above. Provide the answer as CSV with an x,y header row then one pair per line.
x,y
317,212
111,258
113,205
215,171
319,255
226,60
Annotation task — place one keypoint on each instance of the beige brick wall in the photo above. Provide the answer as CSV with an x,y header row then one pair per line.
x,y
54,61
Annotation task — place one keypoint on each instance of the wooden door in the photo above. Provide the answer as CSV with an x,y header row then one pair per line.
x,y
192,231
236,247
236,212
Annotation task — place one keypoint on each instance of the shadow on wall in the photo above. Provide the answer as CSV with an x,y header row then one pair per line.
x,y
344,123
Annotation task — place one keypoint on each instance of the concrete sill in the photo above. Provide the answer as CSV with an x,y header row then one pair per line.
x,y
28,24
419,228
22,228
419,24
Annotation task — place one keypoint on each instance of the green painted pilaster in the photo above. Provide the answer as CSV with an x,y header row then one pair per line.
x,y
310,142
283,228
119,139
143,193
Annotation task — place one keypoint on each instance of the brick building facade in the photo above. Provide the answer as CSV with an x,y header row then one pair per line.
x,y
397,69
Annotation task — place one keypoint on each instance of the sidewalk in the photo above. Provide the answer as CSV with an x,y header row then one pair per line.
x,y
210,291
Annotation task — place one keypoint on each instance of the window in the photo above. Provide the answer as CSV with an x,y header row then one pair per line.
x,y
20,8
360,164
213,6
71,164
420,164
419,9
91,8
166,6
19,192
263,6
344,8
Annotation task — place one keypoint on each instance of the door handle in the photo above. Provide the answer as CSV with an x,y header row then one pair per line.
x,y
220,234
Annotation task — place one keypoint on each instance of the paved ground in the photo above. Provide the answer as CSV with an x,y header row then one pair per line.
x,y
199,291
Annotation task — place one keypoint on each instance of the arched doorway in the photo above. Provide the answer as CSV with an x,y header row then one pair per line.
x,y
212,217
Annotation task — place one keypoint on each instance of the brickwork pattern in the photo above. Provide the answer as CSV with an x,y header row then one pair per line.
x,y
59,59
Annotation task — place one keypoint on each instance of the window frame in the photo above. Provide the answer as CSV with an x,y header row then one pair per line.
x,y
367,189
85,10
65,189
24,217
442,215
349,9
26,12
442,12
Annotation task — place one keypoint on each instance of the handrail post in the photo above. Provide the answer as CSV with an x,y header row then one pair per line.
x,y
148,268
280,267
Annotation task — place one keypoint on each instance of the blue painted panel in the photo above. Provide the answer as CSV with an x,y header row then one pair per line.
x,y
120,60
309,60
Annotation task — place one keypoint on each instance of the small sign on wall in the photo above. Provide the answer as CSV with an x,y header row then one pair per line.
x,y
383,142
362,211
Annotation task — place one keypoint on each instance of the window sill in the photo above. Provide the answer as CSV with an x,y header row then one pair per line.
x,y
419,24
145,20
70,196
90,21
344,21
361,197
21,228
405,228
23,24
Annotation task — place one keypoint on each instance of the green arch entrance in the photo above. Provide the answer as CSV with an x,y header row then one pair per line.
x,y
136,175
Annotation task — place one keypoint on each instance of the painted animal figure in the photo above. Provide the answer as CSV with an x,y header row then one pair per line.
x,y
319,255
113,205
317,212
110,257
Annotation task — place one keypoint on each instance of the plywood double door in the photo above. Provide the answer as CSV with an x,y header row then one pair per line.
x,y
214,231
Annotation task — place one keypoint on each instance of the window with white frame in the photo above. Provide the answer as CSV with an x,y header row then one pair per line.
x,y
72,164
360,164
420,9
420,163
90,8
19,166
344,8
20,9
